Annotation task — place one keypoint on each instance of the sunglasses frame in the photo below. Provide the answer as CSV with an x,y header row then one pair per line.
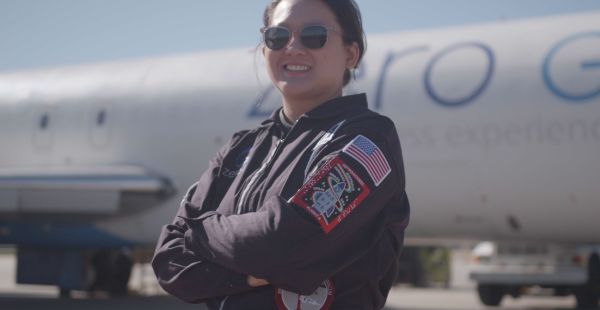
x,y
298,33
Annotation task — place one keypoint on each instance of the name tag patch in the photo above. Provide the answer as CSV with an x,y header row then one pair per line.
x,y
240,161
332,193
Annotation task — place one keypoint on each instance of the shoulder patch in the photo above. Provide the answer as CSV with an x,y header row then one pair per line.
x,y
332,193
321,299
370,157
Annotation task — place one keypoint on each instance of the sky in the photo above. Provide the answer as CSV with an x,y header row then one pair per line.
x,y
39,34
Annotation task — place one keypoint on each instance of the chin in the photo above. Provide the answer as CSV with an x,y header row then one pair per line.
x,y
296,91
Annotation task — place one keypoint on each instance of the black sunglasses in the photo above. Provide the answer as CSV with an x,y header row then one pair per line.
x,y
312,37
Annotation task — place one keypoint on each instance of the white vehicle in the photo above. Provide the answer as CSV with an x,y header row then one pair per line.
x,y
500,125
512,268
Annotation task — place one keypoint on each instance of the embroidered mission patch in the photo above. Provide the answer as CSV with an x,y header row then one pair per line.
x,y
321,299
331,193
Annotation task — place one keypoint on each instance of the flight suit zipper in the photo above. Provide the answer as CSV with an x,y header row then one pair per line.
x,y
256,176
264,168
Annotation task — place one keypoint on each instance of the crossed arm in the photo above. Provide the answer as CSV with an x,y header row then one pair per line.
x,y
212,255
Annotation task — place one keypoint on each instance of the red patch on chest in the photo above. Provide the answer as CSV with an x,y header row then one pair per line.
x,y
332,193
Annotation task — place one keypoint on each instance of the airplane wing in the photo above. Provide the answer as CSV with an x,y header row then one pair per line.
x,y
91,190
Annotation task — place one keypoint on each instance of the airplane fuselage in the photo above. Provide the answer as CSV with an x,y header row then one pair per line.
x,y
499,124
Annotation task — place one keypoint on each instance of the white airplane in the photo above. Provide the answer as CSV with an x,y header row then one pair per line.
x,y
500,125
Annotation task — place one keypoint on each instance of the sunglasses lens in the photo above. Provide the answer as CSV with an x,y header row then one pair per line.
x,y
276,38
314,36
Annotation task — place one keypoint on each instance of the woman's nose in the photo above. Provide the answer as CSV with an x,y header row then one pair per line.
x,y
295,44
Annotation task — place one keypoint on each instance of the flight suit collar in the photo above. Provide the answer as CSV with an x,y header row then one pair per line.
x,y
329,109
337,106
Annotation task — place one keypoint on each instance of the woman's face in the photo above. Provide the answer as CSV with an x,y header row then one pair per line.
x,y
301,73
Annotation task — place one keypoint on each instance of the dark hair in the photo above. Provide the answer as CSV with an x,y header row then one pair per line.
x,y
349,18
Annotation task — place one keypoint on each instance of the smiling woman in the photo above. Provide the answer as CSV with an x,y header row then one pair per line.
x,y
328,42
308,210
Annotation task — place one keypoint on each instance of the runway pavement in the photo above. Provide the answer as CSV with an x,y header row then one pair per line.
x,y
147,295
400,299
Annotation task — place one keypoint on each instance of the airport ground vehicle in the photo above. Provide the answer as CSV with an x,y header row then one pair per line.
x,y
512,269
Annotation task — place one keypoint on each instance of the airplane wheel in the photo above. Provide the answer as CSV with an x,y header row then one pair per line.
x,y
410,268
64,293
112,269
594,272
490,295
588,295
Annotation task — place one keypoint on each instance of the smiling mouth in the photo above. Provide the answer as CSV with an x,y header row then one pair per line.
x,y
297,68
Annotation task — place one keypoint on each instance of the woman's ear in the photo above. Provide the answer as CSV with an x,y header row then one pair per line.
x,y
352,55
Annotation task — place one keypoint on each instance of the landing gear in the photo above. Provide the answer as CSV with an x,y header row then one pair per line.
x,y
410,268
588,295
112,269
64,293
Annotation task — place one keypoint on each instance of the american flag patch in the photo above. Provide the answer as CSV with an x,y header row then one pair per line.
x,y
370,157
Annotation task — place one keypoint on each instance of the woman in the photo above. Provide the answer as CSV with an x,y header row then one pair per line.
x,y
313,215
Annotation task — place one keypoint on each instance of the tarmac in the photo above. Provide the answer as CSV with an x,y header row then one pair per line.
x,y
147,295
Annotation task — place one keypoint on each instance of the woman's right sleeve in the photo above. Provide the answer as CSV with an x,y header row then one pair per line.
x,y
179,270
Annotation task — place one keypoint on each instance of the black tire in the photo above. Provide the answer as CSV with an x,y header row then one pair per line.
x,y
594,271
410,268
64,293
490,295
588,295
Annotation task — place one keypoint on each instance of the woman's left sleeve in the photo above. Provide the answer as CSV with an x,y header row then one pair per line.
x,y
354,194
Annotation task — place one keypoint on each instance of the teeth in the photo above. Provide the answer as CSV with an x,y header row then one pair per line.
x,y
297,67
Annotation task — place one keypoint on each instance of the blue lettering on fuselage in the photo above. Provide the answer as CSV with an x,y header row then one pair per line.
x,y
387,63
257,110
551,81
429,86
